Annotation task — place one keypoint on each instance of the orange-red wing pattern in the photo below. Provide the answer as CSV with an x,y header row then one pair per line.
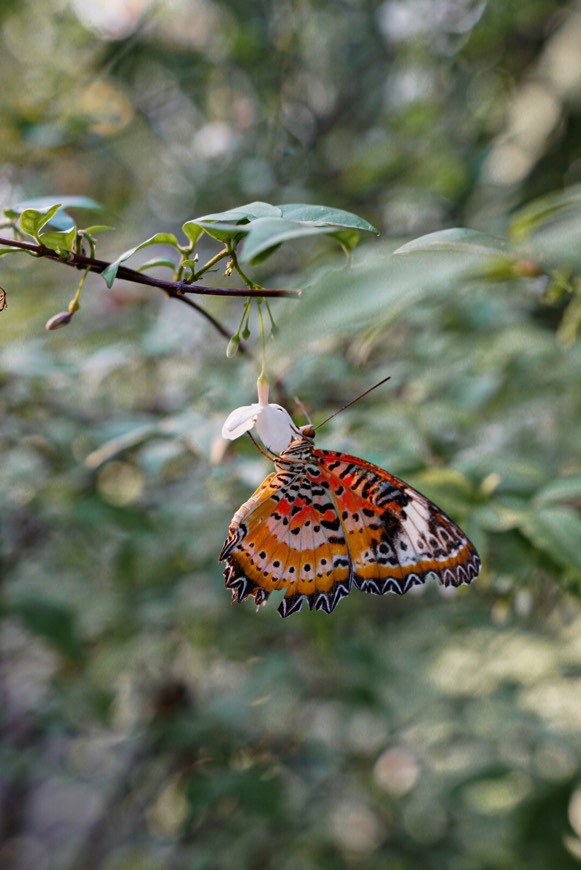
x,y
324,522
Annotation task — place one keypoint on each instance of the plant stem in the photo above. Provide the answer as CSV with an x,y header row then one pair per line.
x,y
213,261
175,289
262,338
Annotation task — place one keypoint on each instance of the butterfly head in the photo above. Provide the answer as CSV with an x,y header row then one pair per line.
x,y
300,449
307,433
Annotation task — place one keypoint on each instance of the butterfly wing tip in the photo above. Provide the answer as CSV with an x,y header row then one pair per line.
x,y
462,574
323,602
243,588
328,601
225,550
260,598
290,604
236,582
235,535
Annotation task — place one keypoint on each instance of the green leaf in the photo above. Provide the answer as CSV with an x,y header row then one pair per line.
x,y
496,517
558,243
567,489
222,232
249,212
265,234
543,211
164,262
84,203
322,214
377,291
109,274
59,241
4,251
96,228
288,221
556,531
192,231
551,225
459,240
33,220
499,262
52,621
60,218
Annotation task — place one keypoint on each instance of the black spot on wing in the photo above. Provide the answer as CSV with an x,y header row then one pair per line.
x,y
333,525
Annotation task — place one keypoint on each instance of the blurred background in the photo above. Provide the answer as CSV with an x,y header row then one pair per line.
x,y
146,723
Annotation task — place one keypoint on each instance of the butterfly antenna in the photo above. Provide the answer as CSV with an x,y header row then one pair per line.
x,y
356,399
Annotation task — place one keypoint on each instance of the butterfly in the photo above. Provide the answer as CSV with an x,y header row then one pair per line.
x,y
325,522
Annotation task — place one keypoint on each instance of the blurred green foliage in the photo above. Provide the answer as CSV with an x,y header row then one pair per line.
x,y
145,722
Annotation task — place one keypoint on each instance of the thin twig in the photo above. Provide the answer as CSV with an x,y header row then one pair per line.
x,y
176,289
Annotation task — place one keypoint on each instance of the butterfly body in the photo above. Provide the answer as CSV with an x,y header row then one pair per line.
x,y
324,522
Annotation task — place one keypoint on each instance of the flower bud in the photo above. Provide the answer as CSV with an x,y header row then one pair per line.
x,y
233,346
63,318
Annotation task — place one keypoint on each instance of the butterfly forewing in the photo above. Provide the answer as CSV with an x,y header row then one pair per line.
x,y
325,521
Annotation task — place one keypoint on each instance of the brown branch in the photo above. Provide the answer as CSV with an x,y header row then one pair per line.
x,y
176,289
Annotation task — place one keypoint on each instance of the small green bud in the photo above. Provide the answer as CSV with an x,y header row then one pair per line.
x,y
57,321
233,346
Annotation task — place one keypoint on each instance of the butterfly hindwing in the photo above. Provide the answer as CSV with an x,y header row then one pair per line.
x,y
398,535
325,521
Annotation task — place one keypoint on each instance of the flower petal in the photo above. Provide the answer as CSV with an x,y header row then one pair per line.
x,y
241,420
275,427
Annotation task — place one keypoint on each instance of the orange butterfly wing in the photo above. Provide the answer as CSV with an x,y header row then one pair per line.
x,y
317,527
396,535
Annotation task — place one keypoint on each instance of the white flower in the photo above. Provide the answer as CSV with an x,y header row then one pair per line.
x,y
273,424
